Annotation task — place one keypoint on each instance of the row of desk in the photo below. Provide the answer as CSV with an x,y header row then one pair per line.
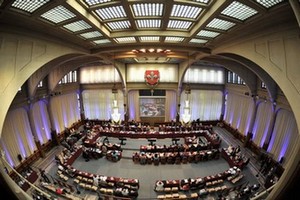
x,y
231,161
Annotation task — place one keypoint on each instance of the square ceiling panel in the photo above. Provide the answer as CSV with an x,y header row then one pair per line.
x,y
203,1
198,41
125,39
174,39
177,24
77,26
220,24
148,9
58,14
119,25
103,41
185,11
149,39
95,2
210,34
28,6
239,11
268,3
92,34
148,23
115,12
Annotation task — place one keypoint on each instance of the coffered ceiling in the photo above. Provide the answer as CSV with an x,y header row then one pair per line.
x,y
144,30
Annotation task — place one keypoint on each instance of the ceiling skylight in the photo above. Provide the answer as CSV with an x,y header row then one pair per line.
x,y
148,9
210,34
111,12
92,34
125,39
239,11
269,3
220,24
28,6
203,1
58,14
77,26
95,2
118,25
176,24
185,11
174,39
103,41
148,23
198,41
149,39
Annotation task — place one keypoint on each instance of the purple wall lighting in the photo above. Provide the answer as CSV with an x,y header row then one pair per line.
x,y
285,146
7,155
263,139
21,145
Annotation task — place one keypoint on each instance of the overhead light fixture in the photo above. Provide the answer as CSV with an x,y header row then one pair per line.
x,y
151,50
116,116
186,116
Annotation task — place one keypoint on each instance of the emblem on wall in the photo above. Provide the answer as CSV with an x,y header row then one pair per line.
x,y
152,77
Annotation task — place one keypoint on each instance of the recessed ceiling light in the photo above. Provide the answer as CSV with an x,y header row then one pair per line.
x,y
185,11
95,2
220,24
114,12
148,9
198,41
125,39
119,25
58,14
77,26
148,23
92,34
239,11
269,3
103,41
176,24
210,34
28,6
174,39
149,39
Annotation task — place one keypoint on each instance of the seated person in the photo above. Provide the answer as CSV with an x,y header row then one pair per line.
x,y
184,184
159,186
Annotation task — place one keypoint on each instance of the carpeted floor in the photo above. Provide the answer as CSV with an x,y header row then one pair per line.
x,y
148,174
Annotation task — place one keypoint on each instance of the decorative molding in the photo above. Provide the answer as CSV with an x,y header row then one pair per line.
x,y
261,49
277,54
